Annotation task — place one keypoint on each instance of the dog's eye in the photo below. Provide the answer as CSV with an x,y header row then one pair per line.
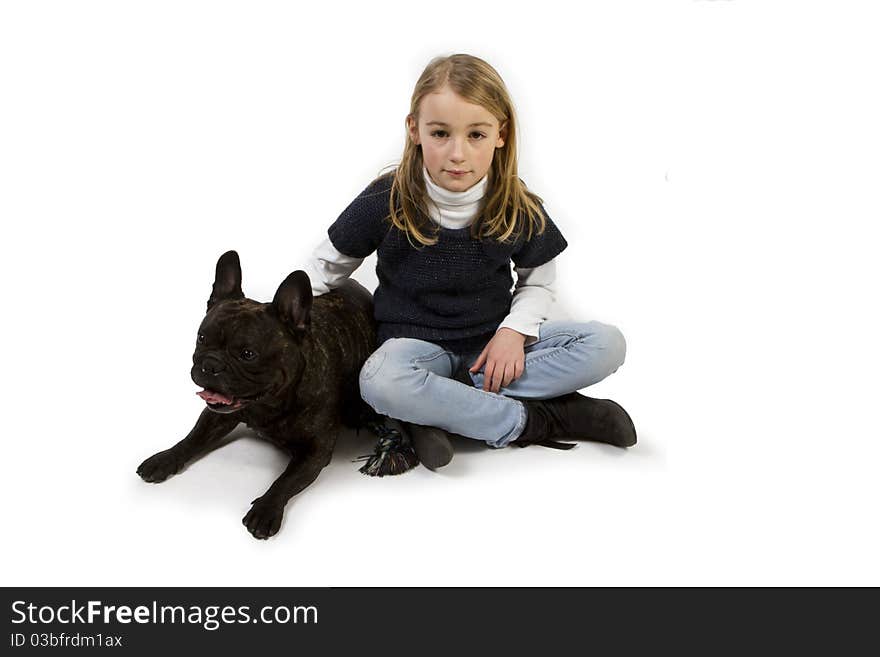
x,y
247,354
201,338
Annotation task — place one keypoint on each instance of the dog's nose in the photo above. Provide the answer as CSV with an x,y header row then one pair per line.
x,y
212,366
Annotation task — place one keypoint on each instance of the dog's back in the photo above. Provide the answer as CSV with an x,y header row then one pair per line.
x,y
344,317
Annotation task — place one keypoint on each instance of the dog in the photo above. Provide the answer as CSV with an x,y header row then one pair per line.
x,y
287,369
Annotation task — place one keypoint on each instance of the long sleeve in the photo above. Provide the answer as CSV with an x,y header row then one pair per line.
x,y
532,297
354,235
328,268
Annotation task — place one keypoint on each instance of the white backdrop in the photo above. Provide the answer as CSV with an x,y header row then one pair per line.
x,y
713,165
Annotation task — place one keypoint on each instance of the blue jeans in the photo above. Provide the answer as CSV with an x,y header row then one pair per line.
x,y
409,379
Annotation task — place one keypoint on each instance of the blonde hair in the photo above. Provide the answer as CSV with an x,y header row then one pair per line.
x,y
508,207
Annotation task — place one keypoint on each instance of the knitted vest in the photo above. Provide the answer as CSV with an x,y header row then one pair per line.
x,y
453,293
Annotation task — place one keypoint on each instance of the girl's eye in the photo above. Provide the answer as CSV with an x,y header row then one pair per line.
x,y
477,135
247,354
439,133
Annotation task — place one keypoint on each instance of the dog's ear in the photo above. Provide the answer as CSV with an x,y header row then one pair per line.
x,y
227,279
293,301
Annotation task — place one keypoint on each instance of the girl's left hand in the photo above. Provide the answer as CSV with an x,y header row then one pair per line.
x,y
504,358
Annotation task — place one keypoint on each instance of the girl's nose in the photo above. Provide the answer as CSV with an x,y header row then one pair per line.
x,y
457,154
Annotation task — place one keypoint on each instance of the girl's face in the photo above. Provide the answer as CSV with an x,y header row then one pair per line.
x,y
458,139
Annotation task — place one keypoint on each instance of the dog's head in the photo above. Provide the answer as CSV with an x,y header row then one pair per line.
x,y
249,352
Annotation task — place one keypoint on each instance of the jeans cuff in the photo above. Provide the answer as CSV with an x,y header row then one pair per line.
x,y
505,440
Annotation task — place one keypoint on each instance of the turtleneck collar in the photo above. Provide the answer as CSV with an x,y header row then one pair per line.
x,y
454,209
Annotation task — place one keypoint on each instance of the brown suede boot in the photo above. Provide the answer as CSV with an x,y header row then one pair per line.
x,y
578,417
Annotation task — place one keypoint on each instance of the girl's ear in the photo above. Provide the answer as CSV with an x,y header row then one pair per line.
x,y
413,129
502,135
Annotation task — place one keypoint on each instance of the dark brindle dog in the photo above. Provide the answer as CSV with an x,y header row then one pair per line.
x,y
288,369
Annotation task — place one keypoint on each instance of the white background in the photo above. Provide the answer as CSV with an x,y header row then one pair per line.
x,y
714,166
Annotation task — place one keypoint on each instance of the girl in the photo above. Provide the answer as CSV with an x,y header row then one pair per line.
x,y
457,351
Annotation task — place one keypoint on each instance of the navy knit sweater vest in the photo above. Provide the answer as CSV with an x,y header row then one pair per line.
x,y
453,293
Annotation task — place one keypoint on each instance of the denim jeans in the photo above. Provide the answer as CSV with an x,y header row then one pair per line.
x,y
410,380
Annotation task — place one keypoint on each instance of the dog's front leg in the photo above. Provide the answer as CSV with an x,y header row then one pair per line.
x,y
264,518
209,428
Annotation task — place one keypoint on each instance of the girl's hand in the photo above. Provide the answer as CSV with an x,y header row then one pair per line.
x,y
504,358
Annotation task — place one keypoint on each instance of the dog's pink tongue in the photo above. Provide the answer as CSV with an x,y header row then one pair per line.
x,y
214,397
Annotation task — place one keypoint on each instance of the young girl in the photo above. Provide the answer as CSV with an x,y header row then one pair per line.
x,y
456,350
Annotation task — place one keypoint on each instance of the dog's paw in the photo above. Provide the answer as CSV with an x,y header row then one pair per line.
x,y
160,466
264,518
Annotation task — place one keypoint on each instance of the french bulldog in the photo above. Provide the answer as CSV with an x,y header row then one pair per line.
x,y
287,369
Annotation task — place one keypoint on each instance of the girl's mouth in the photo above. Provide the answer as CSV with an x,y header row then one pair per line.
x,y
456,174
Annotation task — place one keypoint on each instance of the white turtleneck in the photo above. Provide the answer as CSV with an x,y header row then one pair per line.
x,y
454,209
534,291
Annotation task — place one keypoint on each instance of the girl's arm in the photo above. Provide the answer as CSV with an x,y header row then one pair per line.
x,y
357,231
328,268
503,358
534,294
